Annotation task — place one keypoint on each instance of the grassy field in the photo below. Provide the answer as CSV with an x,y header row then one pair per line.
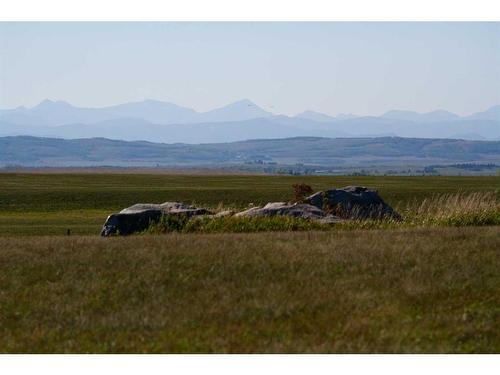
x,y
421,290
43,204
429,285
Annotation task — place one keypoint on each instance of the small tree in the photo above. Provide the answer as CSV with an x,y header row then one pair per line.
x,y
301,191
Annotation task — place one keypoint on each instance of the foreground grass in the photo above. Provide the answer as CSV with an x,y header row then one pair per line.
x,y
49,204
411,290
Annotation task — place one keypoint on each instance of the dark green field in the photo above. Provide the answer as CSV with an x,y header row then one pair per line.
x,y
51,203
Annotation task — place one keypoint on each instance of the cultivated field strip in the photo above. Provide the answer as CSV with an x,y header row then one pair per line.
x,y
44,203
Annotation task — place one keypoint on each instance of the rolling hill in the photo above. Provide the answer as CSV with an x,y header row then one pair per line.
x,y
34,151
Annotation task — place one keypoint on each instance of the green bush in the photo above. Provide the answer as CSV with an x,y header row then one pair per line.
x,y
168,223
233,224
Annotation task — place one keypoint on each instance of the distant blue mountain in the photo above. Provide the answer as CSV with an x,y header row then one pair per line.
x,y
158,121
421,117
238,111
315,116
56,113
321,117
492,113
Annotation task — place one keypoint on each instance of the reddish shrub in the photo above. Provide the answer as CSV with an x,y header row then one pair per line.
x,y
301,191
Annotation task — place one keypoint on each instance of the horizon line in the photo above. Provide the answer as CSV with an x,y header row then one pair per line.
x,y
66,102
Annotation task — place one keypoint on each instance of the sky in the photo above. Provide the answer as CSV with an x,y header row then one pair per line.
x,y
337,67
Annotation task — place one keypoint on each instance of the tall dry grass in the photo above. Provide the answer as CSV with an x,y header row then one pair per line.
x,y
441,210
461,209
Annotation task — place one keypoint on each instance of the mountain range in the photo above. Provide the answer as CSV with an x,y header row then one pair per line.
x,y
157,121
57,113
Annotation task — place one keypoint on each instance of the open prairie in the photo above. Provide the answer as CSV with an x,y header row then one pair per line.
x,y
420,290
417,289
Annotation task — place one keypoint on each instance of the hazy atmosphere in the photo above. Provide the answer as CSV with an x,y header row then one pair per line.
x,y
250,187
285,68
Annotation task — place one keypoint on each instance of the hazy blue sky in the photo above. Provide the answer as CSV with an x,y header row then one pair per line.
x,y
362,68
